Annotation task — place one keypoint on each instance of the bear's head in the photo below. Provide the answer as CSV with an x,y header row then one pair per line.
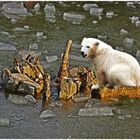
x,y
90,47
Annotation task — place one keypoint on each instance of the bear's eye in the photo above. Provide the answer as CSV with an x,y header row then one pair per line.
x,y
87,46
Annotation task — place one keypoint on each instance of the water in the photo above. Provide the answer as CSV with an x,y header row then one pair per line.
x,y
57,34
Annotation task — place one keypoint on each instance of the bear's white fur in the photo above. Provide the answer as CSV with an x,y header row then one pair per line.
x,y
111,66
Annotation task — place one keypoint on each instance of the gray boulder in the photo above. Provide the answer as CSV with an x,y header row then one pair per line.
x,y
7,47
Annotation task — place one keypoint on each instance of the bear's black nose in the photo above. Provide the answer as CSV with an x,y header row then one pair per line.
x,y
83,54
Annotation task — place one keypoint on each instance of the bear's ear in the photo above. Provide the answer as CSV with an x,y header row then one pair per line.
x,y
96,44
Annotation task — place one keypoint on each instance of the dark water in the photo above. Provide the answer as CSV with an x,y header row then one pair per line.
x,y
57,34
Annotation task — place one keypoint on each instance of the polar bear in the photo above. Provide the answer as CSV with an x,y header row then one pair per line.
x,y
111,67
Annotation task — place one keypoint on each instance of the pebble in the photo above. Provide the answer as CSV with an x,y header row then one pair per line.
x,y
33,46
134,19
94,21
7,47
138,23
47,114
4,122
17,99
73,17
123,32
102,37
13,21
51,59
39,35
96,111
138,55
96,11
20,29
109,14
49,10
79,98
88,6
37,7
30,98
5,33
129,42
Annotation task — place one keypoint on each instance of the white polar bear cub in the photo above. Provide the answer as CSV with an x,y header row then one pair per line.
x,y
111,67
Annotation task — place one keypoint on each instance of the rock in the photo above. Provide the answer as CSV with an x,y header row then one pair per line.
x,y
16,99
67,89
76,98
123,32
130,4
138,23
102,37
120,49
13,20
138,55
26,27
47,114
109,14
88,6
78,58
37,7
73,17
7,47
19,29
49,10
96,11
96,111
30,98
94,21
51,59
88,105
129,42
134,19
39,35
5,33
4,122
14,8
33,46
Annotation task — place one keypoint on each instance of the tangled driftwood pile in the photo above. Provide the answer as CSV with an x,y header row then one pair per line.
x,y
28,77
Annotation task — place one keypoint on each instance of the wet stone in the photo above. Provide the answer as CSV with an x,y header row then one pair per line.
x,y
13,21
39,35
109,14
96,111
138,55
51,59
129,42
5,33
30,98
130,4
14,8
94,21
49,10
33,46
134,19
138,23
73,17
7,47
123,32
79,98
16,99
4,122
37,7
96,11
88,6
20,29
47,114
102,37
